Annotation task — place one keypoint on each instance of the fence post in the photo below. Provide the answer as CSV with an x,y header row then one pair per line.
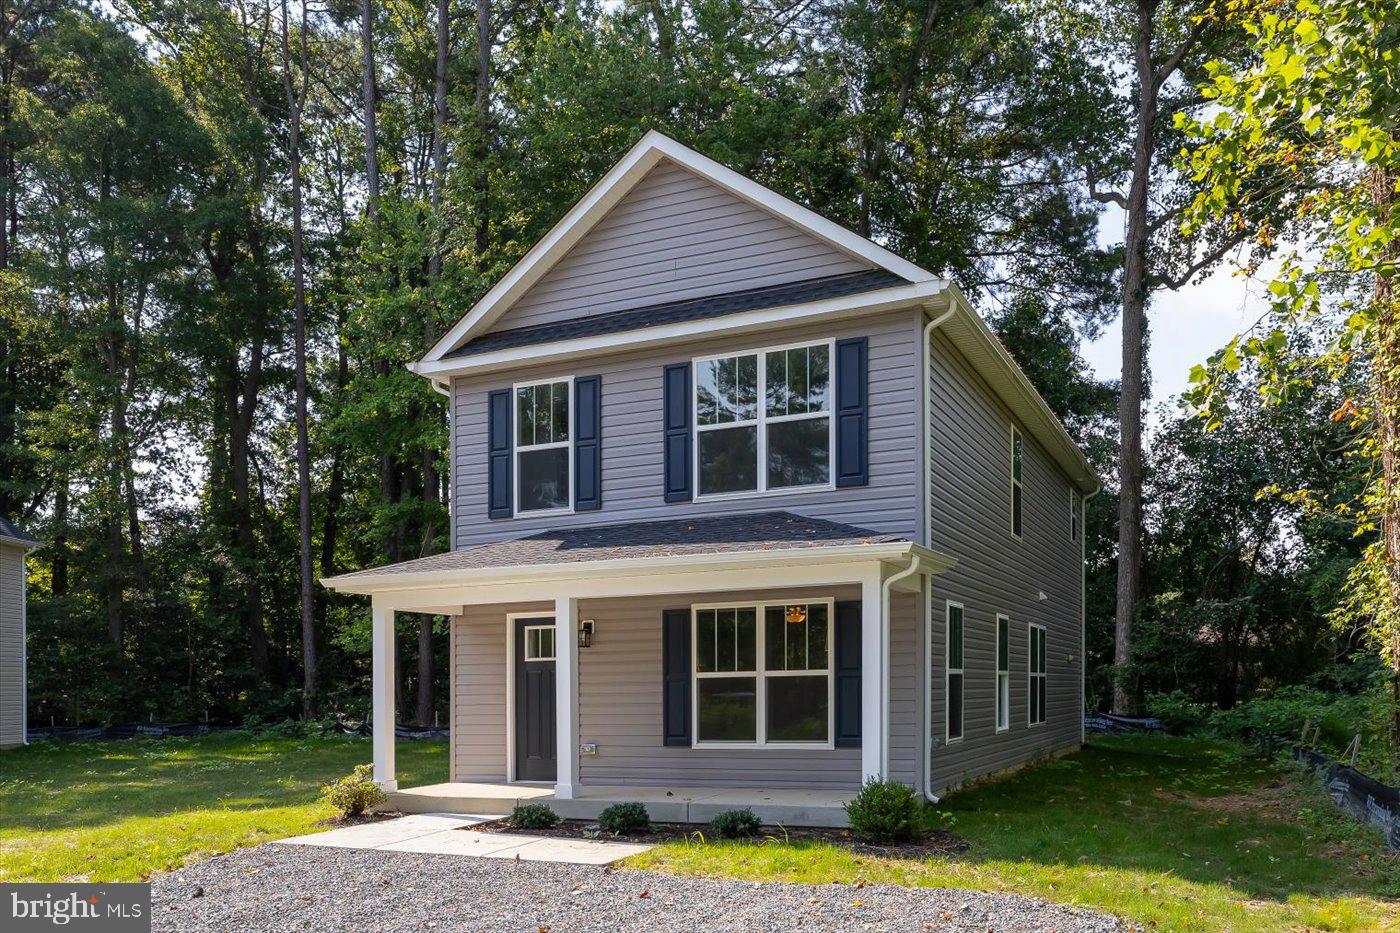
x,y
1355,748
1307,727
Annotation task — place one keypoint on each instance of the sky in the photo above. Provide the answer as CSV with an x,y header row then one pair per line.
x,y
1185,327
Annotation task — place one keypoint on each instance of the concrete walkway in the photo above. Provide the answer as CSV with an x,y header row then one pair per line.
x,y
450,834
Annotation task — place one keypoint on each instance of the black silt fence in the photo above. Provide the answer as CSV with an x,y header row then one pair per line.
x,y
1365,798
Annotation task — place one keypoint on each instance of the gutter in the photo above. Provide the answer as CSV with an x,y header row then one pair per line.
x,y
926,474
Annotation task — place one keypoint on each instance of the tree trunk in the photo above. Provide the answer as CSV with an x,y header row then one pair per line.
x,y
295,97
58,569
482,105
1130,402
370,94
444,52
1386,371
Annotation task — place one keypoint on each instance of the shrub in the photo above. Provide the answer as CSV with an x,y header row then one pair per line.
x,y
736,824
1178,712
625,818
885,811
533,816
355,793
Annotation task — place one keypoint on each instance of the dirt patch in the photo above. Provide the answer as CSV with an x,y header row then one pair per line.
x,y
1272,802
936,843
379,816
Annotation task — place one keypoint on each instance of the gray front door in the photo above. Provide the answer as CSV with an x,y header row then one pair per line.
x,y
534,700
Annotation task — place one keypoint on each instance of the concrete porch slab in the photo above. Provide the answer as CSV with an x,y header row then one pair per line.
x,y
450,834
784,806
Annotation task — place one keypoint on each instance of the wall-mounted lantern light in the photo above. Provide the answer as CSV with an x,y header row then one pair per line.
x,y
585,633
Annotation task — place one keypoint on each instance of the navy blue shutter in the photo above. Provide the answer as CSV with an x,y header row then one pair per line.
x,y
675,677
588,447
676,422
499,446
852,412
847,631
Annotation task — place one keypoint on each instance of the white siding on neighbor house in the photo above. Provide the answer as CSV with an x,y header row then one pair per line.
x,y
674,236
970,500
632,439
620,701
12,671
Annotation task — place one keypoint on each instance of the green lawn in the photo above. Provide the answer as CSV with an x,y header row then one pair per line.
x,y
1180,833
119,811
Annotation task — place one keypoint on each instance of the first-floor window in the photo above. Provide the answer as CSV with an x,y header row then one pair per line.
x,y
1003,673
1036,683
542,446
763,673
955,671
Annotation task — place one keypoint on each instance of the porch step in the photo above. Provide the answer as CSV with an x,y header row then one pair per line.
x,y
779,806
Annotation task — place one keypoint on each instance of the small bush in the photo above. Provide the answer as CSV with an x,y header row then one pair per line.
x,y
736,824
1178,712
885,811
533,816
355,793
623,818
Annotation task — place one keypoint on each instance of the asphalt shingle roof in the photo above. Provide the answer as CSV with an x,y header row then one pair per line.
x,y
8,530
673,312
745,533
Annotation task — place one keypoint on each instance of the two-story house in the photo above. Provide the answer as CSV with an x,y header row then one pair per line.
x,y
746,510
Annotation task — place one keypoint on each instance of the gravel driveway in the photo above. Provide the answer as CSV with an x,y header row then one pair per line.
x,y
301,888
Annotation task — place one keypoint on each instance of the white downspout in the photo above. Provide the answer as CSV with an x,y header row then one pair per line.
x,y
926,475
915,563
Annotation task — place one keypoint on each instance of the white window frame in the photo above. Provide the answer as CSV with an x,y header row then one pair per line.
x,y
948,672
1032,675
1003,674
761,422
526,630
761,674
1017,484
517,448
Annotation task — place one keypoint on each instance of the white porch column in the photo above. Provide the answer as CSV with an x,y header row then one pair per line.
x,y
873,677
382,654
566,695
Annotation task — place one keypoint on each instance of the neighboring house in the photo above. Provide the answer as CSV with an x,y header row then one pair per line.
x,y
14,545
742,502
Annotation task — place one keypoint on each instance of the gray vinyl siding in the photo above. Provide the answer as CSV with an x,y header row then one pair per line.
x,y
620,701
674,236
632,437
11,646
969,497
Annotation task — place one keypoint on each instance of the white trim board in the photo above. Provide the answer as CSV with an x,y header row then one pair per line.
x,y
622,178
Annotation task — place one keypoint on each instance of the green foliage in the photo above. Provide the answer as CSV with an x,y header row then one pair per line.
x,y
355,793
533,816
624,818
1177,710
885,811
736,824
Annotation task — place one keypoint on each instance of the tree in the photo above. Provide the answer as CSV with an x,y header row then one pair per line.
x,y
1311,120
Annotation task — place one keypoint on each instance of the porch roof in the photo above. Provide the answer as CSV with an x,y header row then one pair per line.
x,y
742,536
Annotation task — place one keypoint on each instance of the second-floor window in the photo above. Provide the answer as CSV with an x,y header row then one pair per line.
x,y
542,446
1018,455
763,420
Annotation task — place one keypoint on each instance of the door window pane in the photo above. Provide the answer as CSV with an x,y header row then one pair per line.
x,y
727,709
797,709
728,460
799,453
544,479
539,643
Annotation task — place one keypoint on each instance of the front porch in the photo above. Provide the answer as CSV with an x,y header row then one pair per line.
x,y
786,807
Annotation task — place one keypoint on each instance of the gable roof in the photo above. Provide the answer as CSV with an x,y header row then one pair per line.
x,y
675,312
626,174
10,534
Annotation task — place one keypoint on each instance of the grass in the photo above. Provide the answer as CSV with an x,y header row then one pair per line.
x,y
119,811
1176,833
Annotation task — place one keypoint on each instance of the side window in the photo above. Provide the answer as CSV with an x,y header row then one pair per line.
x,y
1035,683
1003,673
543,451
954,682
1017,459
1074,506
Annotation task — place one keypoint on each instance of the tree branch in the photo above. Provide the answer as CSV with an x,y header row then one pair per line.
x,y
1173,62
1209,258
1103,197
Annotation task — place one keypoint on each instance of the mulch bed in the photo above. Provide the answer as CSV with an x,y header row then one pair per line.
x,y
379,816
936,843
